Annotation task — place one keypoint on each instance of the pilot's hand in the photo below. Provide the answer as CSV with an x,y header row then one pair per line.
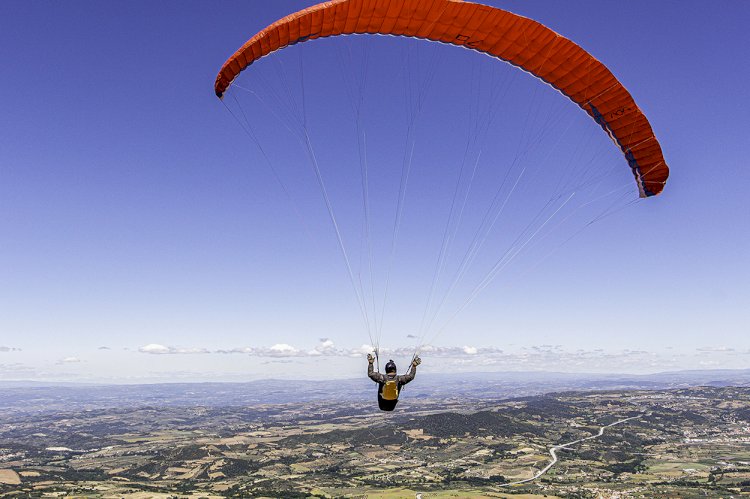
x,y
370,358
416,361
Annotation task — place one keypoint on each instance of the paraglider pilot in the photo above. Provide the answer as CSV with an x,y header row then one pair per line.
x,y
390,383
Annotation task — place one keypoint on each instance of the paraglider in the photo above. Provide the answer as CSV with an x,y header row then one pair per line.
x,y
390,383
502,35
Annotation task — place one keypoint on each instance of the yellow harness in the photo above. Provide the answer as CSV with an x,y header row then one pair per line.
x,y
390,390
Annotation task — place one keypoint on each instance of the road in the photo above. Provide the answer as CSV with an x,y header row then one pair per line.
x,y
553,451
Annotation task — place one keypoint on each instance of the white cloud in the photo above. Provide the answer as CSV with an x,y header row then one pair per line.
x,y
717,349
69,360
554,358
547,357
440,351
326,347
9,349
363,350
283,350
15,369
277,350
247,350
155,348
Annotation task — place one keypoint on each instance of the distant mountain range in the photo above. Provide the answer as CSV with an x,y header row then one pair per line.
x,y
24,395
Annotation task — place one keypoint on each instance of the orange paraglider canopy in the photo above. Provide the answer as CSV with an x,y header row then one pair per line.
x,y
518,40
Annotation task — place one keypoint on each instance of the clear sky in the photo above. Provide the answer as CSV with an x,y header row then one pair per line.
x,y
143,237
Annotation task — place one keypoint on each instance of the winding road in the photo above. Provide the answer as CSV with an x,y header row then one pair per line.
x,y
553,451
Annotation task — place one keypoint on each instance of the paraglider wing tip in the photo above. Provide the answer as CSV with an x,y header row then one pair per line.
x,y
221,84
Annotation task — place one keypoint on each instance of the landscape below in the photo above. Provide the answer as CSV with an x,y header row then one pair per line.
x,y
678,442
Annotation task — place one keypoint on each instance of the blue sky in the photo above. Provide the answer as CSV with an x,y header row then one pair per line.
x,y
142,238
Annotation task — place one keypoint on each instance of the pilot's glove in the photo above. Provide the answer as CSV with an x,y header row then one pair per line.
x,y
416,361
370,358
